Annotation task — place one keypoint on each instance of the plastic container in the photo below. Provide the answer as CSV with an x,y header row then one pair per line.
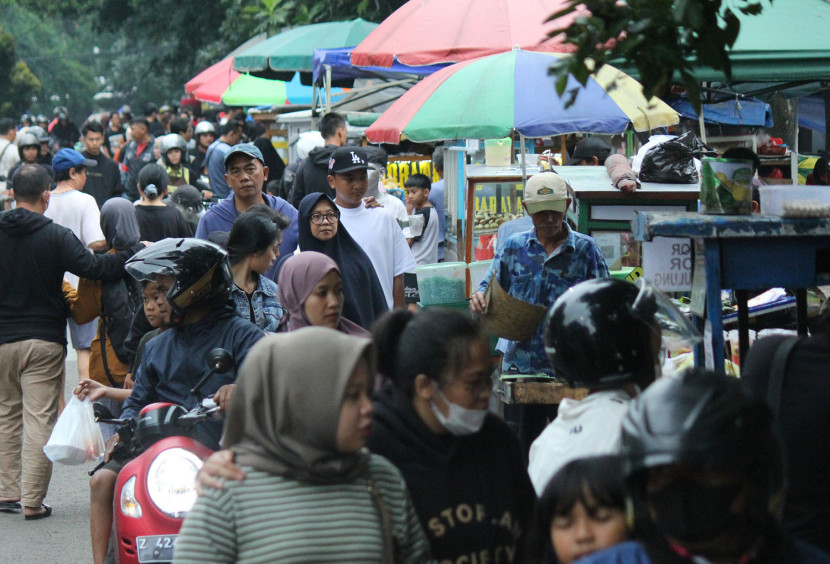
x,y
478,270
725,186
795,201
497,152
442,283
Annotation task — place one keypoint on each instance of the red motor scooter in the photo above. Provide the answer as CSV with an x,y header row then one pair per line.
x,y
156,488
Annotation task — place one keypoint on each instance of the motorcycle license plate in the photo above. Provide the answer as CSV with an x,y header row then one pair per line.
x,y
156,548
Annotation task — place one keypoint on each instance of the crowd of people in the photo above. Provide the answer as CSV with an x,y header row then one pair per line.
x,y
357,427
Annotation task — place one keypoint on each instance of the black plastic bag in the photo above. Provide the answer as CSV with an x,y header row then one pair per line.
x,y
673,162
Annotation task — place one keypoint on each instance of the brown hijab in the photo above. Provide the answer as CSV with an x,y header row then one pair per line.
x,y
299,275
284,413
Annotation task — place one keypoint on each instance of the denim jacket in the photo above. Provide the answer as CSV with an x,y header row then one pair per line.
x,y
527,273
267,309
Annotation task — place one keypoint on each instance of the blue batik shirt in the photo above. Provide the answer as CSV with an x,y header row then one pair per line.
x,y
264,303
527,273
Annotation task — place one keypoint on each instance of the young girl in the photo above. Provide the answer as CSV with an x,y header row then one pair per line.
x,y
253,246
311,291
312,492
157,221
581,511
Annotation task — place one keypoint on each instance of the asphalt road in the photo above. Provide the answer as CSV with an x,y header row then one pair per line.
x,y
63,537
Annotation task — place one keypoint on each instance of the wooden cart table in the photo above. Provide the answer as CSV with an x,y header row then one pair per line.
x,y
535,390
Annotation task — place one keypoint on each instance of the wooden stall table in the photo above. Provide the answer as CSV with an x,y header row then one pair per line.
x,y
747,252
535,389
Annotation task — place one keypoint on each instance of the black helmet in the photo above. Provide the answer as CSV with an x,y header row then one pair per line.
x,y
202,272
605,332
704,420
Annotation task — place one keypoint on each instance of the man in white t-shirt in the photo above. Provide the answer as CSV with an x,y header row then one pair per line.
x,y
375,230
77,211
9,155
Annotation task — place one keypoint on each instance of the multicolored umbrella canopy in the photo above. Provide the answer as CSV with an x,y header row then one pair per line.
x,y
426,32
281,55
490,97
223,68
251,91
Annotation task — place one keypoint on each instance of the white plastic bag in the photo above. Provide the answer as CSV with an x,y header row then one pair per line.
x,y
76,437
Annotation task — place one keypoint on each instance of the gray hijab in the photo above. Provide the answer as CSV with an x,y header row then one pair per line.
x,y
284,413
119,224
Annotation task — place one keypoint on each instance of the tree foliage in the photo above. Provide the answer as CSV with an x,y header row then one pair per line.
x,y
663,39
132,51
17,82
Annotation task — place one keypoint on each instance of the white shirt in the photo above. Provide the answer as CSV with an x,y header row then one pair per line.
x,y
79,213
377,232
9,159
583,428
425,250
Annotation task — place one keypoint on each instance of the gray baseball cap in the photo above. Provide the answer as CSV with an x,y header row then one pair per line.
x,y
244,149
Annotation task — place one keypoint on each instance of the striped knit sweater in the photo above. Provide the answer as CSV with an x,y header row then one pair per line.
x,y
266,518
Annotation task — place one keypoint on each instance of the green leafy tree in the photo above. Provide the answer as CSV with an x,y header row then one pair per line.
x,y
17,82
664,40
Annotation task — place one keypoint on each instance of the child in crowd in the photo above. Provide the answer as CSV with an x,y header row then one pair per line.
x,y
102,483
424,246
581,511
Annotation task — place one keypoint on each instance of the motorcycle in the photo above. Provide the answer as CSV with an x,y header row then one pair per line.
x,y
156,487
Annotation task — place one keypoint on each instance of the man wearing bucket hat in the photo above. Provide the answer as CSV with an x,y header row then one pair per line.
x,y
537,266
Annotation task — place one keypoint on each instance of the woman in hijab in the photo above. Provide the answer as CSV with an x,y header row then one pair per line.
x,y
321,231
114,303
311,293
312,493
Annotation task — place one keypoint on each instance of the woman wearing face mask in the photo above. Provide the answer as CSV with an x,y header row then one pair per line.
x,y
321,231
311,292
312,493
463,466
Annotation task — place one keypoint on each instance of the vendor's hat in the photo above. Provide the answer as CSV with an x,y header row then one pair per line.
x,y
588,148
70,158
546,191
347,159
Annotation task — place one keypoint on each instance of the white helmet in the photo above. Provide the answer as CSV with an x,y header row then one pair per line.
x,y
204,127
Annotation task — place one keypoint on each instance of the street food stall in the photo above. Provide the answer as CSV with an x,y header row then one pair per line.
x,y
745,252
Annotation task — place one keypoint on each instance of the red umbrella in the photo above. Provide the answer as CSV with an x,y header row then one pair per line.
x,y
426,32
211,83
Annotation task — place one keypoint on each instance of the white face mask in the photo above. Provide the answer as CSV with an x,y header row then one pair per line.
x,y
460,421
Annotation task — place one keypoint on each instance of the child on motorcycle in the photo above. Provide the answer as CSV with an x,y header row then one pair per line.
x,y
193,280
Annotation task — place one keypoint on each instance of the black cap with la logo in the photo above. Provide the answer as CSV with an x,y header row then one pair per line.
x,y
346,159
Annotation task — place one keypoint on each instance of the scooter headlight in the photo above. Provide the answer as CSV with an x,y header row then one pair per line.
x,y
171,481
129,504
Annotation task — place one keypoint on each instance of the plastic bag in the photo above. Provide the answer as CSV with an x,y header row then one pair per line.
x,y
76,437
673,161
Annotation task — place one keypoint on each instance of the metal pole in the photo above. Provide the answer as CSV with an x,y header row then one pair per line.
x,y
524,159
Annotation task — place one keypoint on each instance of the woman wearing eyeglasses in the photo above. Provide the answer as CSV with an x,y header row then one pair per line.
x,y
321,231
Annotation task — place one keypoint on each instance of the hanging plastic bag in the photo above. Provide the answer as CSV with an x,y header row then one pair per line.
x,y
76,437
673,161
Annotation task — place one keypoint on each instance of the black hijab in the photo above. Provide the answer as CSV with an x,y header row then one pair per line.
x,y
363,295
